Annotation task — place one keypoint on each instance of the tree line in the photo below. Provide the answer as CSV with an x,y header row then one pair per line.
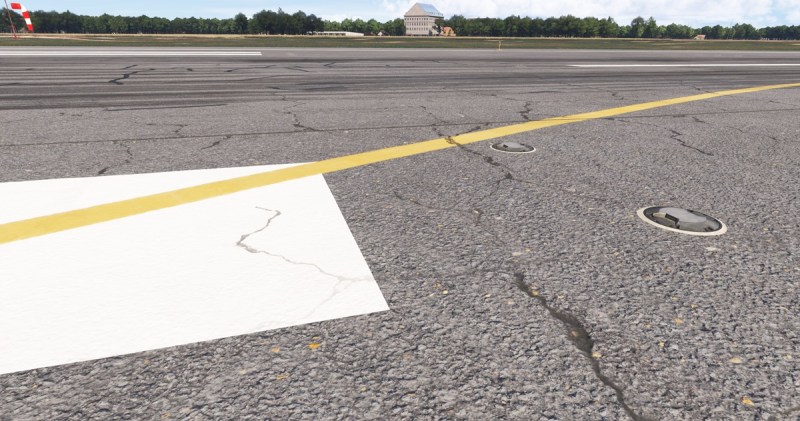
x,y
282,23
571,26
264,22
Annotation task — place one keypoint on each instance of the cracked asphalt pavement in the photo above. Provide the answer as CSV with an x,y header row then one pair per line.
x,y
520,286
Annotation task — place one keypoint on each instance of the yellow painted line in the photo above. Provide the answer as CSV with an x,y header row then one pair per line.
x,y
49,224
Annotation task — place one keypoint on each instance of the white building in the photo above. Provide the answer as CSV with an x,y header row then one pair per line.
x,y
336,34
421,20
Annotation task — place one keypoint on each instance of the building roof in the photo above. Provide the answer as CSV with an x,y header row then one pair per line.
x,y
424,9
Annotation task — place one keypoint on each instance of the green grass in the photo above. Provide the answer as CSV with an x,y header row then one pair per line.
x,y
47,40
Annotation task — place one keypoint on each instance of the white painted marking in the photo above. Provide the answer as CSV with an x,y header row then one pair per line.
x,y
122,53
262,259
691,65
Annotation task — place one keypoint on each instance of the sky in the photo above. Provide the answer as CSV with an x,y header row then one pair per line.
x,y
696,13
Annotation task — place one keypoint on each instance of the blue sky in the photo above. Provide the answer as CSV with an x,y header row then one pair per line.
x,y
691,12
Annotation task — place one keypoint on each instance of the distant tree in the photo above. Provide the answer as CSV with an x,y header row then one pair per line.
x,y
573,26
347,25
359,25
717,32
524,27
497,27
280,22
675,31
295,24
263,22
745,31
551,28
650,29
536,28
459,24
372,27
117,25
313,23
637,27
608,28
512,26
396,27
332,26
781,32
591,27
240,23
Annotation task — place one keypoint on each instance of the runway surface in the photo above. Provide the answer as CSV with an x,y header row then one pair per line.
x,y
519,286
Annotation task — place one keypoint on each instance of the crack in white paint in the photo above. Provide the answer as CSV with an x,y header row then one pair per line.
x,y
196,284
253,250
337,289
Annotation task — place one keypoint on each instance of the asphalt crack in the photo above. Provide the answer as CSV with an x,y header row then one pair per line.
x,y
164,107
128,158
124,76
438,120
290,111
179,128
699,89
770,137
526,113
432,115
474,263
236,69
582,340
697,120
217,142
275,132
128,75
580,87
176,131
508,175
772,101
675,135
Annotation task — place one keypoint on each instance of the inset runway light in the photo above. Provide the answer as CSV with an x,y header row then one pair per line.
x,y
681,220
513,147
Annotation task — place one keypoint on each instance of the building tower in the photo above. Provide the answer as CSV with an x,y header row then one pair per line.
x,y
421,20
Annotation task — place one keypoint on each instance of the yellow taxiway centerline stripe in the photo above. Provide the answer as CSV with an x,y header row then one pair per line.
x,y
49,224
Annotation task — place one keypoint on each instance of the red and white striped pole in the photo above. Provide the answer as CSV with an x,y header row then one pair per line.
x,y
10,21
25,14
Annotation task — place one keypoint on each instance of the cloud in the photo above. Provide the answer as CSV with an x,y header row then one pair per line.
x,y
690,12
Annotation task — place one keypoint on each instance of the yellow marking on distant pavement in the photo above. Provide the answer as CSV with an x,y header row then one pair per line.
x,y
49,224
